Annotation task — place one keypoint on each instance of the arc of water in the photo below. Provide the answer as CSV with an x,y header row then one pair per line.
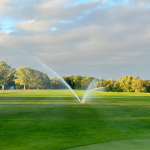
x,y
46,67
63,81
89,89
93,89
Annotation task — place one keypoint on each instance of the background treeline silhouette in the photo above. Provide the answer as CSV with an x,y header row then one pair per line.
x,y
124,84
27,78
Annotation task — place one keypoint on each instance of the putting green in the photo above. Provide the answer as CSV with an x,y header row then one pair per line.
x,y
136,144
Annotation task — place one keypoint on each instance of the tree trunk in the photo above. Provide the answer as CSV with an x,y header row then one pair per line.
x,y
24,87
37,88
3,88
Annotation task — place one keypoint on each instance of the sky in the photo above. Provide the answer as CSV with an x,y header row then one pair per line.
x,y
100,38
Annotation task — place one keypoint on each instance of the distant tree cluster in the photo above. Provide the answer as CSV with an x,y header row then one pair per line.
x,y
78,82
125,84
6,74
27,78
31,78
23,77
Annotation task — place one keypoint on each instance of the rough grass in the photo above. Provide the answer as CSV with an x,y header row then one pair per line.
x,y
54,119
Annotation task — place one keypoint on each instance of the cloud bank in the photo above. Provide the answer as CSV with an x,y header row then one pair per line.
x,y
102,38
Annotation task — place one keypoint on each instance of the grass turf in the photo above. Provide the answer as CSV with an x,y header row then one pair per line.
x,y
134,144
54,119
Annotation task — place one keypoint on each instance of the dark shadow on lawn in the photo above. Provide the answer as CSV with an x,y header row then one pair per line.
x,y
93,99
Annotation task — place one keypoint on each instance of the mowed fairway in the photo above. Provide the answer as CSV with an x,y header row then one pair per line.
x,y
54,120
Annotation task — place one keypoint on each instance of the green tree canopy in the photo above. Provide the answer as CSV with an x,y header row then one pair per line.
x,y
56,83
86,82
38,80
6,74
138,85
77,82
123,84
23,75
110,84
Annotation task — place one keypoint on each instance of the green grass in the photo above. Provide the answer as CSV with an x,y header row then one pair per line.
x,y
134,144
54,119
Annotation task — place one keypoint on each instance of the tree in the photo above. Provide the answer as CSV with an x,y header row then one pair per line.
x,y
148,86
70,81
35,80
77,82
45,81
138,85
6,74
100,83
54,83
110,84
123,84
23,75
86,82
117,87
57,83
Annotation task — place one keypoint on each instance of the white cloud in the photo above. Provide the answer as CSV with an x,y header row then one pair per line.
x,y
34,25
103,40
4,5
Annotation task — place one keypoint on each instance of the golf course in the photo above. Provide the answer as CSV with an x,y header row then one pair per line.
x,y
56,120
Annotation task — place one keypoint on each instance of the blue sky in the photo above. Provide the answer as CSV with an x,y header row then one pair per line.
x,y
104,38
7,24
105,2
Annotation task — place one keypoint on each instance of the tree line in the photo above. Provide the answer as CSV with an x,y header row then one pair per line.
x,y
23,77
124,84
27,78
